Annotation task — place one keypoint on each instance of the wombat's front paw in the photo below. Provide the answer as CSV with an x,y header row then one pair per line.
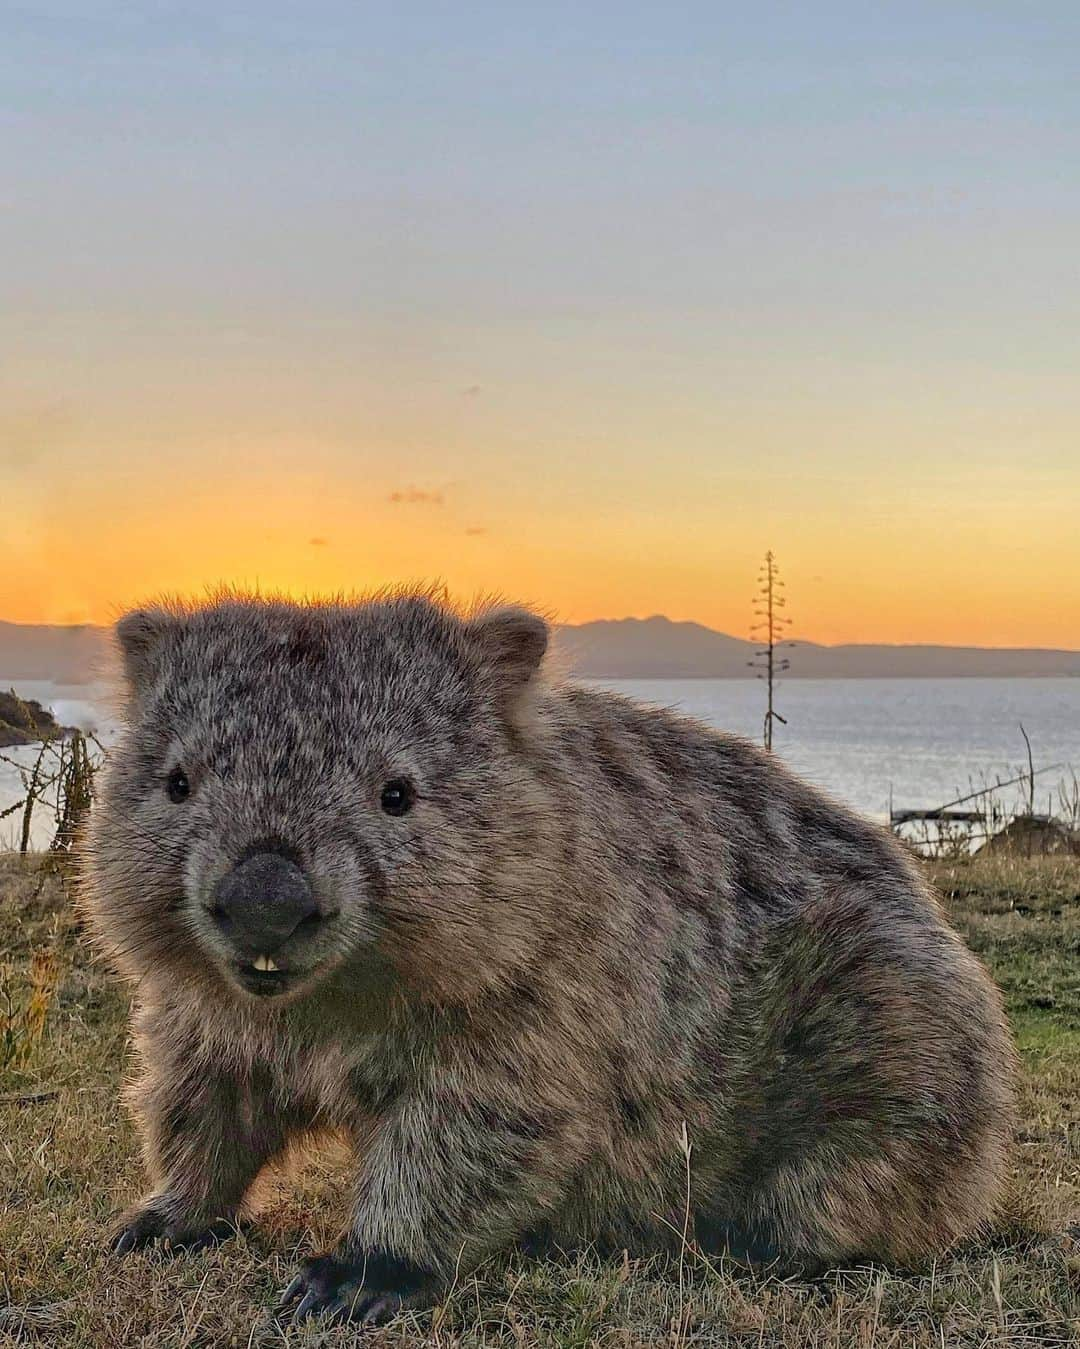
x,y
369,1288
148,1223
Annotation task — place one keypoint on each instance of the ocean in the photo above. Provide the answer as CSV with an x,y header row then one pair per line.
x,y
914,742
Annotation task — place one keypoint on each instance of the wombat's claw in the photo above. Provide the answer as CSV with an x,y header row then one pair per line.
x,y
317,1291
334,1290
289,1294
150,1227
384,1307
125,1241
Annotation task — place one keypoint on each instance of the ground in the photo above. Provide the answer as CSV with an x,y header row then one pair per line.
x,y
68,1160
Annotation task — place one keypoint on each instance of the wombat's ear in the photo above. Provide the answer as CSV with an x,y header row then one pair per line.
x,y
513,642
141,637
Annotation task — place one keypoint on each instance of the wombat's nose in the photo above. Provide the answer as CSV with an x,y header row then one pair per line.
x,y
261,902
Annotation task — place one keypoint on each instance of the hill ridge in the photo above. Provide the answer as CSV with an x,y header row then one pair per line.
x,y
656,647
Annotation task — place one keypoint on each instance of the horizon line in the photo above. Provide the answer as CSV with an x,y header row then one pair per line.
x,y
677,622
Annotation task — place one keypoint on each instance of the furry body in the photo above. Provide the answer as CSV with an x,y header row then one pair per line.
x,y
600,921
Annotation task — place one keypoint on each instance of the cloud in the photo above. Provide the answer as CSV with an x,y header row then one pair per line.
x,y
416,496
319,543
474,530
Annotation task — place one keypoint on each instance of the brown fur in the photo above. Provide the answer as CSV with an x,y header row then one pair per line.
x,y
599,921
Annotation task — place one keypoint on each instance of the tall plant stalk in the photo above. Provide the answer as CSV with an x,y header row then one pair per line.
x,y
769,627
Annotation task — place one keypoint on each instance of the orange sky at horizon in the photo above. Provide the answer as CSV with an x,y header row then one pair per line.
x,y
866,557
903,506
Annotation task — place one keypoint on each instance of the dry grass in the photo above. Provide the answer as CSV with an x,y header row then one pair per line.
x,y
68,1161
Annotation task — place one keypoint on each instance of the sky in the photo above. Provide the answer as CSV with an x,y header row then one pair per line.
x,y
586,305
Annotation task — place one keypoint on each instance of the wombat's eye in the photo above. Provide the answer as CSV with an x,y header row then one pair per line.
x,y
177,786
397,796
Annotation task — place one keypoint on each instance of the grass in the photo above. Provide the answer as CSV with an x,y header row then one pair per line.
x,y
68,1160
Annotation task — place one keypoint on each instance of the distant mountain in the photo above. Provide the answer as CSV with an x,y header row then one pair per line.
x,y
657,648
855,661
650,648
625,648
67,655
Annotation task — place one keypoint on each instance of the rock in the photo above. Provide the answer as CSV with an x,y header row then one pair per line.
x,y
23,721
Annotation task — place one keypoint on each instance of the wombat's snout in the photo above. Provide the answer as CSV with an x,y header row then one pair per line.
x,y
261,903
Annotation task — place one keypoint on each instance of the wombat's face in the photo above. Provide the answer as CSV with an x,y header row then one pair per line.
x,y
310,790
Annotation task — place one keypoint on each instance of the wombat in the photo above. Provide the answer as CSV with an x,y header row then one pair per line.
x,y
553,959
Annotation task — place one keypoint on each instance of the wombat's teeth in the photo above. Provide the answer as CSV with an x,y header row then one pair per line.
x,y
264,963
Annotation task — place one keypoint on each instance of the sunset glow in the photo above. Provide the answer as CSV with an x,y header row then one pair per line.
x,y
280,316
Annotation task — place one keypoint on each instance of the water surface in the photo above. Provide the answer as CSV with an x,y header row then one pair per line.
x,y
920,742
